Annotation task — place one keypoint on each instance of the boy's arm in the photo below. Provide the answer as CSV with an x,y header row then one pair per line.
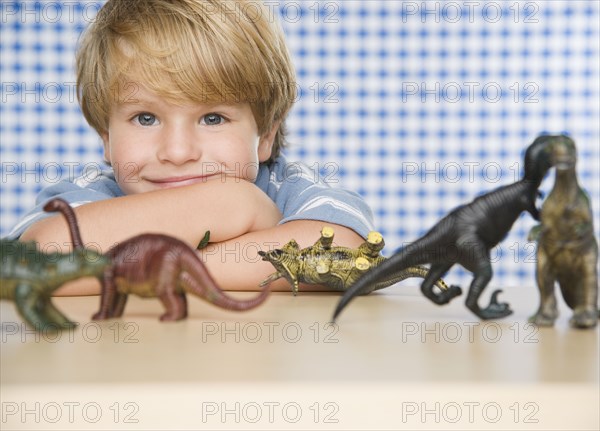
x,y
227,208
236,265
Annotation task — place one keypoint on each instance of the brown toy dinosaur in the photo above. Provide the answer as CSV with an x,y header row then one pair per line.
x,y
155,265
567,249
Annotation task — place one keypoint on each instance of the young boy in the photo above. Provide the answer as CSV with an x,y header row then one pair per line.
x,y
190,99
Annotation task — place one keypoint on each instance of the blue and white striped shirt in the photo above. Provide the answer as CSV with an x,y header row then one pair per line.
x,y
297,190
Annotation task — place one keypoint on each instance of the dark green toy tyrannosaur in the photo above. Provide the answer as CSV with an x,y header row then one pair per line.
x,y
567,248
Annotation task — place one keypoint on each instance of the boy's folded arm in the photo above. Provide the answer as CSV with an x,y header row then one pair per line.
x,y
236,265
227,209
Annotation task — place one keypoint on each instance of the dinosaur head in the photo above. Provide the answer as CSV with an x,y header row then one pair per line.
x,y
274,256
81,262
92,263
278,258
538,158
564,153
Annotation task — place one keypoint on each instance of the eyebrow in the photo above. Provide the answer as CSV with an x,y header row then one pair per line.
x,y
133,100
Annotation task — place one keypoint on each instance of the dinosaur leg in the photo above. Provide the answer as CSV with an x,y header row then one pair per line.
x,y
118,306
107,296
481,266
175,304
547,311
584,317
167,281
435,273
293,280
27,300
270,279
585,312
52,314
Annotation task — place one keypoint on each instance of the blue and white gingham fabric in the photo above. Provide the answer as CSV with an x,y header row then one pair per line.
x,y
417,105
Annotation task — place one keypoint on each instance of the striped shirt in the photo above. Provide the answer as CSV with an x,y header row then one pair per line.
x,y
298,191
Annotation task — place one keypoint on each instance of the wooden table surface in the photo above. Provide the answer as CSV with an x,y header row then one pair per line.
x,y
394,361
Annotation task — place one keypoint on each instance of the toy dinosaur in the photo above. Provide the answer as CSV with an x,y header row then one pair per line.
x,y
567,249
334,267
29,277
155,265
465,236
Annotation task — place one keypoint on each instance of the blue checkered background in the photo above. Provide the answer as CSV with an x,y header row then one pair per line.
x,y
417,105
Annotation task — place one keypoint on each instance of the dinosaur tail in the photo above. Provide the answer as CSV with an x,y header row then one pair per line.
x,y
395,267
197,280
411,272
65,209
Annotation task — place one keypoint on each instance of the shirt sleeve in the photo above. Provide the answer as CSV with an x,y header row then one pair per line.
x,y
90,187
300,194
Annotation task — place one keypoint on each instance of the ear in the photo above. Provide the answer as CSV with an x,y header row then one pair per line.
x,y
106,145
265,143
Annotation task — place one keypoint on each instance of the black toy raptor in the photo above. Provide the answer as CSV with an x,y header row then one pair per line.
x,y
465,236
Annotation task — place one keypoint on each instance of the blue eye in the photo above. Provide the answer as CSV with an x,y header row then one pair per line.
x,y
212,119
146,119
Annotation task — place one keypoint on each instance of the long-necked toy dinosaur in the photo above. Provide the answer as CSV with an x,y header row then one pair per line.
x,y
335,267
567,248
465,236
156,265
29,277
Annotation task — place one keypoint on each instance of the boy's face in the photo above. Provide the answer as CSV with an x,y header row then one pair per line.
x,y
153,144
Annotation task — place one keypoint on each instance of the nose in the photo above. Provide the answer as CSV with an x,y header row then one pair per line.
x,y
178,145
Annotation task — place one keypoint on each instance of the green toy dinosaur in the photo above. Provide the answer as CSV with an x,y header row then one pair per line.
x,y
29,277
567,248
335,267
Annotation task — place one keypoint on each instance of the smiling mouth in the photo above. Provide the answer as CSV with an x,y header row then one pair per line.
x,y
169,182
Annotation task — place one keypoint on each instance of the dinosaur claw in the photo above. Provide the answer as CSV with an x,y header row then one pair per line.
x,y
540,319
584,319
100,316
445,296
495,310
494,298
453,291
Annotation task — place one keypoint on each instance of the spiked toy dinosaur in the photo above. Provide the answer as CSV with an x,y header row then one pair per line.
x,y
465,236
333,266
567,248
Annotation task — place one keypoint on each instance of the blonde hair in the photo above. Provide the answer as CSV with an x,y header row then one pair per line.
x,y
203,51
